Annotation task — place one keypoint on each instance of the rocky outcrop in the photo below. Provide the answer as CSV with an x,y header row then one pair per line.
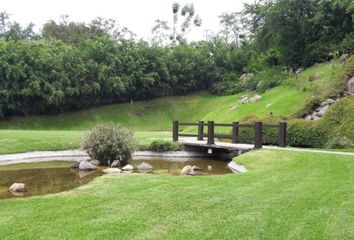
x,y
321,110
86,166
145,167
112,170
17,187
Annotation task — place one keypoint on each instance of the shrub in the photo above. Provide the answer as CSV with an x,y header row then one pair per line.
x,y
302,133
163,146
109,142
339,142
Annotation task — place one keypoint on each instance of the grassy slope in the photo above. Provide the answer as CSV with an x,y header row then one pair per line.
x,y
283,196
158,114
66,129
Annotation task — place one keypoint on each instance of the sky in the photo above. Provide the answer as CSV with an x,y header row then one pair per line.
x,y
137,15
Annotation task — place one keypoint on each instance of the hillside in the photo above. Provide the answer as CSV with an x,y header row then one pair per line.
x,y
158,114
64,131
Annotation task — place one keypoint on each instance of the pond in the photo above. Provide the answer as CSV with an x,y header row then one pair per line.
x,y
56,176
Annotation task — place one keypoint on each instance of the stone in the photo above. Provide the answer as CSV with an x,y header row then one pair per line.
x,y
233,108
196,168
344,57
255,98
350,85
115,163
144,167
86,166
322,110
235,168
187,170
17,187
112,170
244,100
128,168
95,162
75,164
327,102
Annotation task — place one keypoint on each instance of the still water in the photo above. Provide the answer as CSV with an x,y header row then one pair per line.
x,y
56,176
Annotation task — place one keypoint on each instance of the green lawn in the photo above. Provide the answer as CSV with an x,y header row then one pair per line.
x,y
158,114
15,141
283,196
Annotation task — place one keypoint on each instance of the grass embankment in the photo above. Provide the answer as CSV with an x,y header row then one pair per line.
x,y
283,196
144,117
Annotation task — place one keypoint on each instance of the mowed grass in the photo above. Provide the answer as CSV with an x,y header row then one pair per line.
x,y
16,141
283,196
158,114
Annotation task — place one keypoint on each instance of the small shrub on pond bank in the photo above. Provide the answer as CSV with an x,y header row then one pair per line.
x,y
108,142
163,146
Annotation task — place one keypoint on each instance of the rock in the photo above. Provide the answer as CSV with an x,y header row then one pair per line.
x,y
128,168
244,100
316,65
86,166
210,168
233,108
115,163
187,170
144,167
344,57
322,110
327,102
17,187
112,170
350,85
196,168
95,162
235,168
255,98
75,164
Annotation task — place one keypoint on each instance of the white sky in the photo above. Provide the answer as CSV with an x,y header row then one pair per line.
x,y
137,15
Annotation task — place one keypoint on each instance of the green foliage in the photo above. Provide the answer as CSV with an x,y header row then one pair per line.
x,y
163,146
339,143
109,142
305,32
302,133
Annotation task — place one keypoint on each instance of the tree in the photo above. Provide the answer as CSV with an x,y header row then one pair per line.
x,y
232,30
184,19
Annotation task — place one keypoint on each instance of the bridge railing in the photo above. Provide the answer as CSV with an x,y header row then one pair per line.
x,y
235,137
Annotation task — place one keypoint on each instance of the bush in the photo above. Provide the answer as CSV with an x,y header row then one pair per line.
x,y
339,143
302,133
163,146
109,142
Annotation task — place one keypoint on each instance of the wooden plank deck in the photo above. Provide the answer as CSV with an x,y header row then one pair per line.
x,y
220,145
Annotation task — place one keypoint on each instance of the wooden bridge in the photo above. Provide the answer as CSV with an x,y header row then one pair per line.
x,y
235,140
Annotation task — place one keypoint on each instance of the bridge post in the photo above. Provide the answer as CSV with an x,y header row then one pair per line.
x,y
210,132
258,135
200,130
282,134
235,131
175,131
